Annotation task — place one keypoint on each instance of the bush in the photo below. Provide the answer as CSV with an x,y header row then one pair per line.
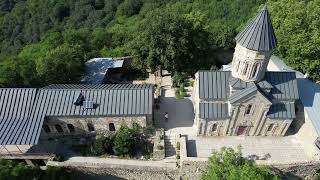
x,y
178,156
229,164
123,141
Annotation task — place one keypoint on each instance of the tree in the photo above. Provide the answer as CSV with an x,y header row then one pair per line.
x,y
62,65
229,164
123,141
178,43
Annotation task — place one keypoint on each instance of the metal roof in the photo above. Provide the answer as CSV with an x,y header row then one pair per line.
x,y
258,35
214,85
242,93
282,111
15,105
284,85
213,110
23,110
95,69
98,86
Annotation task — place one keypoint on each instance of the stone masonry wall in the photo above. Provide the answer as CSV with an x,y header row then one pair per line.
x,y
79,126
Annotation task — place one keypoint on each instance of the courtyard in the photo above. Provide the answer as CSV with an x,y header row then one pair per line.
x,y
265,150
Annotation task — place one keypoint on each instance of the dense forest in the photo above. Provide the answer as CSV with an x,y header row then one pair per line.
x,y
47,41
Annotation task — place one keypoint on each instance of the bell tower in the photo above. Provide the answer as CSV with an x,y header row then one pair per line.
x,y
254,48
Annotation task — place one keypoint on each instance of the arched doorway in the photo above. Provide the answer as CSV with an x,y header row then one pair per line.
x,y
90,127
111,127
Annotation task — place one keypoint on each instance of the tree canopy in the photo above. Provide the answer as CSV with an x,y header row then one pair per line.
x,y
229,164
181,35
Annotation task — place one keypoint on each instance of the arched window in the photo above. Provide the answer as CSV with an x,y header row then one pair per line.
x,y
59,128
270,127
248,109
214,127
111,127
90,127
71,127
46,129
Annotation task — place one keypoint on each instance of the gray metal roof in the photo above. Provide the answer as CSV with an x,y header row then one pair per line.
x,y
242,93
282,111
284,85
15,105
98,86
213,110
214,85
258,35
23,110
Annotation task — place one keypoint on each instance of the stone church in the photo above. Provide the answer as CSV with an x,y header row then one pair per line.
x,y
249,100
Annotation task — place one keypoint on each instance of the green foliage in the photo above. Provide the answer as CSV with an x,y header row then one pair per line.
x,y
123,141
229,164
14,170
298,34
171,40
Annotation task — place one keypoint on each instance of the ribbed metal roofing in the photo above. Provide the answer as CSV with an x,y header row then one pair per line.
x,y
214,85
98,86
213,110
15,105
282,111
23,110
258,35
242,93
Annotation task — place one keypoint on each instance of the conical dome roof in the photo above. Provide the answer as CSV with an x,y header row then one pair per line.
x,y
258,35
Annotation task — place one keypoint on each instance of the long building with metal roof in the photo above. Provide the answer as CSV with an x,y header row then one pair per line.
x,y
23,110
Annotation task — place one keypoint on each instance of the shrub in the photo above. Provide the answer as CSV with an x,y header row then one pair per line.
x,y
178,156
123,141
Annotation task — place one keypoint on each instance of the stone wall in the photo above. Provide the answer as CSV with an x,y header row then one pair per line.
x,y
307,136
62,126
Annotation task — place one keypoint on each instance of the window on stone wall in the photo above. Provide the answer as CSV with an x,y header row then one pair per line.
x,y
270,127
90,127
248,109
46,129
214,127
71,127
111,127
58,128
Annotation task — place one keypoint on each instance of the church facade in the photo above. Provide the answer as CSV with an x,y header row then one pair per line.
x,y
249,100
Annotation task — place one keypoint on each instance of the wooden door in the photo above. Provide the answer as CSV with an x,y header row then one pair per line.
x,y
242,130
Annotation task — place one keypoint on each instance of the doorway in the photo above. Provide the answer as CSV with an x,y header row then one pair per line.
x,y
242,130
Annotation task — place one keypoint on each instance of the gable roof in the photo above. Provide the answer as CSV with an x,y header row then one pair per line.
x,y
214,85
241,94
23,110
213,110
15,105
258,35
282,111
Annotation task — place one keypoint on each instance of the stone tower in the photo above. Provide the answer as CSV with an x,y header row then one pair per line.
x,y
254,47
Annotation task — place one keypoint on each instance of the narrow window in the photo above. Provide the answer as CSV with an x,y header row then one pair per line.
x,y
245,69
59,128
90,127
255,70
270,127
70,127
46,129
111,127
200,128
214,127
249,108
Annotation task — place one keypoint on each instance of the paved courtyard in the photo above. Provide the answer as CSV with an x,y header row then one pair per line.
x,y
266,150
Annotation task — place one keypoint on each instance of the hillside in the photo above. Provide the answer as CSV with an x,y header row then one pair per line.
x,y
42,39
